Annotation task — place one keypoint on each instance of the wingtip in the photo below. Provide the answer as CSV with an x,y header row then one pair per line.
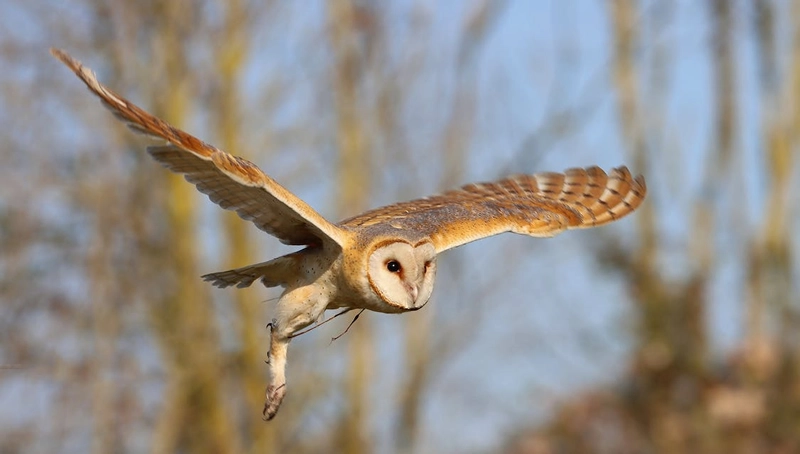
x,y
214,280
65,58
77,67
623,171
638,179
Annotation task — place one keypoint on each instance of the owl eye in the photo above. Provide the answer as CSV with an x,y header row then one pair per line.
x,y
393,266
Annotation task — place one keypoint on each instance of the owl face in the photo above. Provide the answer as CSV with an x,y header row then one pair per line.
x,y
402,274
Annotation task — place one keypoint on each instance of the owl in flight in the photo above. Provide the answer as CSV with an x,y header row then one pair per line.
x,y
383,260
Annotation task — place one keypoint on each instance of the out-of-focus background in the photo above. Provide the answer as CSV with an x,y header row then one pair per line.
x,y
674,330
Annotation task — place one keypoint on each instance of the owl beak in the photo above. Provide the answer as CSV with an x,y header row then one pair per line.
x,y
414,289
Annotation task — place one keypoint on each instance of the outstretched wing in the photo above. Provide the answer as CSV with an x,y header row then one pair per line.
x,y
540,205
229,181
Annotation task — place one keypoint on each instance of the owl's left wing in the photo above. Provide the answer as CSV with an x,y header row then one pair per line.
x,y
540,205
229,181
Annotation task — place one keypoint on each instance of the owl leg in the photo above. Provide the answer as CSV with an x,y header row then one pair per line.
x,y
282,330
276,390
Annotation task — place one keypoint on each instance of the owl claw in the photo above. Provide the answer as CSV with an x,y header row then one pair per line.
x,y
273,401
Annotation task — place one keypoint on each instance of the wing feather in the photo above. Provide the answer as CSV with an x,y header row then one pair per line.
x,y
541,205
229,181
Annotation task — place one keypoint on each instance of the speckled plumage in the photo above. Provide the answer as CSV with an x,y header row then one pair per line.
x,y
384,259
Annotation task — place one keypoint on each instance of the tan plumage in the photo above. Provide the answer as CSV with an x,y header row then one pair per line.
x,y
540,205
384,259
229,181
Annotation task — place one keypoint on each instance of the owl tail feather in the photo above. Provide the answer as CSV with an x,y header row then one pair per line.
x,y
272,274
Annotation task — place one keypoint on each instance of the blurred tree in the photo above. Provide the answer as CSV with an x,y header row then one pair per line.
x,y
227,114
349,29
675,397
195,416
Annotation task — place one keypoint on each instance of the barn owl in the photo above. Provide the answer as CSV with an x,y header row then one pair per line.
x,y
383,260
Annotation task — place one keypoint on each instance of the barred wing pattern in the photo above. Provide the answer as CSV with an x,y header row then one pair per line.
x,y
229,181
540,205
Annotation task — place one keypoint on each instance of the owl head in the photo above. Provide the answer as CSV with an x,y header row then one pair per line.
x,y
402,274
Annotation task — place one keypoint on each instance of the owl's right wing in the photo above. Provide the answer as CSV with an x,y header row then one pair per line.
x,y
229,181
540,205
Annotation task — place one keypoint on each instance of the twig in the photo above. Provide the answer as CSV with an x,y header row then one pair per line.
x,y
348,326
323,322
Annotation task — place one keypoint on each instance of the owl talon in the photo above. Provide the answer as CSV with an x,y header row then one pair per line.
x,y
269,358
274,397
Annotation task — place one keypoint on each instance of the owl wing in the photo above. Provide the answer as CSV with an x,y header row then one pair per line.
x,y
229,181
540,205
